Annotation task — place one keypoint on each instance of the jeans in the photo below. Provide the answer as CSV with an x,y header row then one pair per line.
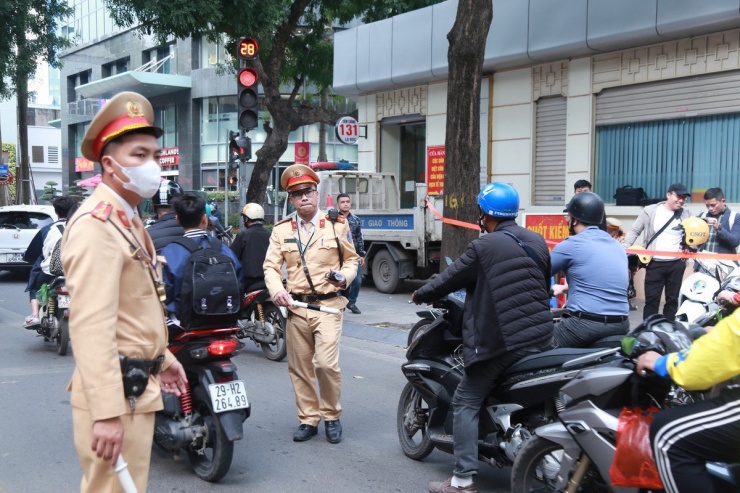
x,y
470,395
666,274
354,288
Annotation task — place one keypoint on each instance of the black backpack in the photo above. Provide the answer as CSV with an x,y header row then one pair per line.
x,y
210,296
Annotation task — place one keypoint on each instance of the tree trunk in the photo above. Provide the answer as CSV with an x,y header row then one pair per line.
x,y
462,138
322,131
4,195
23,187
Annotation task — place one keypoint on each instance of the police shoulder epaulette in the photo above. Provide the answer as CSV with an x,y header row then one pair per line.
x,y
283,220
340,219
102,211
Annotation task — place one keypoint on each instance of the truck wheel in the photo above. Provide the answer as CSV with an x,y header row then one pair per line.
x,y
385,272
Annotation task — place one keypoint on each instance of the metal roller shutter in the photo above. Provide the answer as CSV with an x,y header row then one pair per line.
x,y
549,157
679,98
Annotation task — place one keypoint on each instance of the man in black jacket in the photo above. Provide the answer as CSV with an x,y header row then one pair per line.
x,y
250,246
507,315
166,229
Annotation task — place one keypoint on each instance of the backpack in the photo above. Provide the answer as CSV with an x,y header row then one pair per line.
x,y
733,215
210,296
55,260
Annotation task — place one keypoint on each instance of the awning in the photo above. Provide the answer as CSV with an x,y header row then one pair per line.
x,y
148,84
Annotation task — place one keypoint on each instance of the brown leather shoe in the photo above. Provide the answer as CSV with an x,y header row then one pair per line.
x,y
446,487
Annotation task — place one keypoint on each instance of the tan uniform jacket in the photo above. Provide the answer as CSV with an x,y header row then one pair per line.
x,y
321,256
114,309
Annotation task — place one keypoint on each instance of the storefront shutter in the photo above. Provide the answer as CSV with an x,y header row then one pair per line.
x,y
549,158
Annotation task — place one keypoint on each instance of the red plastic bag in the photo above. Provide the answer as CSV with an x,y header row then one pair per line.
x,y
634,465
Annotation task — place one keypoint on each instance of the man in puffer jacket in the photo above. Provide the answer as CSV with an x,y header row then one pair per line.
x,y
507,315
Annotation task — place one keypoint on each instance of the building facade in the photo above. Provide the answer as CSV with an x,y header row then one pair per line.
x,y
642,93
190,86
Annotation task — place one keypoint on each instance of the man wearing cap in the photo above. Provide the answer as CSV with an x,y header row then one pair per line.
x,y
661,225
114,279
312,246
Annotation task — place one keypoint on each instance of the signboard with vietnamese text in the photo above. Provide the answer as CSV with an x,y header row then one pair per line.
x,y
170,156
551,226
302,152
435,170
83,164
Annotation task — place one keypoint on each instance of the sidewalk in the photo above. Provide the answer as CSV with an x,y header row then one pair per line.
x,y
387,318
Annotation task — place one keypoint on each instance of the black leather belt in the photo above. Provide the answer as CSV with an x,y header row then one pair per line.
x,y
150,366
607,319
313,298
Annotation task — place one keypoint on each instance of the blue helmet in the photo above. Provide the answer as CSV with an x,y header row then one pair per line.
x,y
499,200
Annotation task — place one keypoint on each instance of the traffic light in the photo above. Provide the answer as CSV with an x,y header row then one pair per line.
x,y
233,181
247,49
240,148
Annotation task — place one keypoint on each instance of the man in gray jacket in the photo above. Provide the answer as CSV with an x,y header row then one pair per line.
x,y
661,225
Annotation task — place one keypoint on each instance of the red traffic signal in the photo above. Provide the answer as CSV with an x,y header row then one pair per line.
x,y
247,48
247,99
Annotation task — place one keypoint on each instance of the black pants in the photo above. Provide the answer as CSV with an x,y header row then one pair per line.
x,y
685,438
663,274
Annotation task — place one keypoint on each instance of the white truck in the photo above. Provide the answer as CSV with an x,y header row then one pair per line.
x,y
400,243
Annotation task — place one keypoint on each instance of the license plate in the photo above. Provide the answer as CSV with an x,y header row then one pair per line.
x,y
14,257
63,301
228,396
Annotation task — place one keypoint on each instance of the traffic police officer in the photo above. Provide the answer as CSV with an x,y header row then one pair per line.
x,y
313,245
113,277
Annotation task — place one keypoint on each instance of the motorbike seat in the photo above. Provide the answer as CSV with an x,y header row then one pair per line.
x,y
548,359
56,282
609,342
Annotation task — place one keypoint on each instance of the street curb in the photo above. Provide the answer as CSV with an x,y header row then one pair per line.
x,y
386,335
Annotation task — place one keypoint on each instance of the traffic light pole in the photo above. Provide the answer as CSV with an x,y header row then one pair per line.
x,y
226,183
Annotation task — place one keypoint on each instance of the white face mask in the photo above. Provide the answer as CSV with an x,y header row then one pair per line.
x,y
143,180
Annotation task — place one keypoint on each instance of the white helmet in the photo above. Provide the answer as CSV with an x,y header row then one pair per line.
x,y
253,211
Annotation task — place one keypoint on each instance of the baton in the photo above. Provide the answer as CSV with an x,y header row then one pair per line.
x,y
318,308
127,482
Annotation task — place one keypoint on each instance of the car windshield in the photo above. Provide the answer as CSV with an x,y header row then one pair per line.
x,y
24,219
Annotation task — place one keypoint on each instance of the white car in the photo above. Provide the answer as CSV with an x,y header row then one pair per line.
x,y
18,225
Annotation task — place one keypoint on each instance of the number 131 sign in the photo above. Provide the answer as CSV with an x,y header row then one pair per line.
x,y
347,130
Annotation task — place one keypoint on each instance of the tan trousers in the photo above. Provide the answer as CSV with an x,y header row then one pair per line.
x,y
313,354
98,475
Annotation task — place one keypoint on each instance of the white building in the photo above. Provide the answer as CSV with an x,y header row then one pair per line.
x,y
636,92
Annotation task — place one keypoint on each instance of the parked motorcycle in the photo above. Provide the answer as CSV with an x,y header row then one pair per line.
x,y
54,316
264,323
206,420
525,398
696,300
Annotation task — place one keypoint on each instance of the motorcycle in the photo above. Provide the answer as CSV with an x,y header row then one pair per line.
x,y
696,300
226,236
575,453
264,323
524,398
54,315
207,419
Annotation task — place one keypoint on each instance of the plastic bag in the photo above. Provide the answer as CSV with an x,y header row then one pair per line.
x,y
634,465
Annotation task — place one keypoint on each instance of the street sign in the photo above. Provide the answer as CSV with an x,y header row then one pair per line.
x,y
7,181
347,130
4,171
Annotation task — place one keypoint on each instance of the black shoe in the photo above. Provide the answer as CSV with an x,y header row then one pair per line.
x,y
333,430
353,308
304,433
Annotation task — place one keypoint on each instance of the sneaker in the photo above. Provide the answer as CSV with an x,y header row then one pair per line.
x,y
353,308
446,487
31,321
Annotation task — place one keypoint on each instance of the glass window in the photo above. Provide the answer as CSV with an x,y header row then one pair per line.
x,y
209,121
37,154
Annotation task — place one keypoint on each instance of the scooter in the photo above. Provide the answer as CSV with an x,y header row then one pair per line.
x,y
54,316
207,419
524,398
696,300
264,323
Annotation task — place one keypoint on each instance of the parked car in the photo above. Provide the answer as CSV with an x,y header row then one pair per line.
x,y
18,225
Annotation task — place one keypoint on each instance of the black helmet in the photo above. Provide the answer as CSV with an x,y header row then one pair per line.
x,y
586,207
168,190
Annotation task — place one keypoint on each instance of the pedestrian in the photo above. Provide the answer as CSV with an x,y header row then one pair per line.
x,y
581,186
597,277
614,228
724,227
344,203
660,224
250,246
506,316
216,212
114,280
321,261
166,229
38,253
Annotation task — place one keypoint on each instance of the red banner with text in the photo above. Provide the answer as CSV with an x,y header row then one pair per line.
x,y
435,170
302,152
83,164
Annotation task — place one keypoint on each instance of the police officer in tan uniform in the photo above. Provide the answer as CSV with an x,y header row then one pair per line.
x,y
113,277
312,246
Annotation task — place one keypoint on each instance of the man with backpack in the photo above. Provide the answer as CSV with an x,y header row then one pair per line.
x,y
203,278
